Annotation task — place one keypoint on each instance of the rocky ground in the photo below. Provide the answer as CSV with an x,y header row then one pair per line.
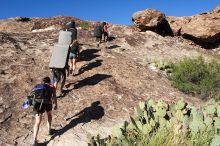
x,y
104,90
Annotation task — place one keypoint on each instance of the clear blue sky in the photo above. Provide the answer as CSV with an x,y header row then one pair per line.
x,y
115,11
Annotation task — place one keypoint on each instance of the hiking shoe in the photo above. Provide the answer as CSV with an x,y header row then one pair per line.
x,y
50,132
62,94
35,143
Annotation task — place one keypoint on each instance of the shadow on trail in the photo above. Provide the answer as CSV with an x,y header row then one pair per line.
x,y
89,81
93,112
93,80
88,54
89,66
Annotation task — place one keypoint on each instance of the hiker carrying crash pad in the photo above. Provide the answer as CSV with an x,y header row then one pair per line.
x,y
59,56
97,31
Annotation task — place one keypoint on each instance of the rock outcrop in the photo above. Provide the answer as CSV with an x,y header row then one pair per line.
x,y
176,23
203,28
35,24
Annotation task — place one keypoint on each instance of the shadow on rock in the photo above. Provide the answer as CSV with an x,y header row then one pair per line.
x,y
93,112
93,80
113,46
110,38
89,54
89,66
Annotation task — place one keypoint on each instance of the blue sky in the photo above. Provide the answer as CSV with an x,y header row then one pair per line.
x,y
115,11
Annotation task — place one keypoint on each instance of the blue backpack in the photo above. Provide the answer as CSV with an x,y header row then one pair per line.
x,y
39,95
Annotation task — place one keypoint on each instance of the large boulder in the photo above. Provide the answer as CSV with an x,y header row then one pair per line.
x,y
203,28
147,19
176,23
153,20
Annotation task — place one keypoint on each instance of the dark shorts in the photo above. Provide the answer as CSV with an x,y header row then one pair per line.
x,y
105,33
44,108
72,56
98,39
58,74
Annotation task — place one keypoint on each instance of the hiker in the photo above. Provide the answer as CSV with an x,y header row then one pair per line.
x,y
105,31
73,55
59,76
98,33
71,26
45,106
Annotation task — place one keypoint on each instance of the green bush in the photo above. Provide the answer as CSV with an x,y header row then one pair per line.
x,y
195,76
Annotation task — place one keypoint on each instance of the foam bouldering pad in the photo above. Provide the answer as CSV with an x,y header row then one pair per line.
x,y
65,37
59,56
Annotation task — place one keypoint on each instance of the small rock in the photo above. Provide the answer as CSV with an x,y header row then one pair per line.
x,y
2,72
6,106
1,110
1,100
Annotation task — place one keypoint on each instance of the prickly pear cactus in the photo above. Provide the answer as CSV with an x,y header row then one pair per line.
x,y
183,119
216,141
180,105
210,110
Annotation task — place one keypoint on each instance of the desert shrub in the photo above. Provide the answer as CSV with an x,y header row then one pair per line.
x,y
165,66
195,76
23,19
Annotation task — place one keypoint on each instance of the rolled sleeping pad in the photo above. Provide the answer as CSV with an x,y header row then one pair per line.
x,y
65,37
70,25
59,56
98,31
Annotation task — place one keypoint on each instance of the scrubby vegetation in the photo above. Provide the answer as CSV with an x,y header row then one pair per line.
x,y
84,25
197,77
162,124
166,66
23,19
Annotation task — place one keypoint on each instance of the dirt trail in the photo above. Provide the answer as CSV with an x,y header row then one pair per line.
x,y
107,86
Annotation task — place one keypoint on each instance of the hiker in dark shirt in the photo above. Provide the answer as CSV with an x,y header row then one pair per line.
x,y
73,55
71,26
45,107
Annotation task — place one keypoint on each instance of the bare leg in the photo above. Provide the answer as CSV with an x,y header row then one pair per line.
x,y
38,118
74,64
55,85
63,81
49,120
71,64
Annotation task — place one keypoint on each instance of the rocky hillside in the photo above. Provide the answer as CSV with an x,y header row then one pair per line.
x,y
109,82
